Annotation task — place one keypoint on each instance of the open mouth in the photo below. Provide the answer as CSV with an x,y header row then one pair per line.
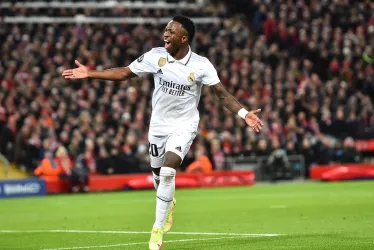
x,y
167,44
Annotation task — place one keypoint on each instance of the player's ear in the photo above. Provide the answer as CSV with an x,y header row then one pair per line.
x,y
184,39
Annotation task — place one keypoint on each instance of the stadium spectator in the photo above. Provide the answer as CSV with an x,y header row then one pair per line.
x,y
104,162
22,149
262,148
277,165
7,137
2,119
308,64
48,167
202,163
79,176
217,155
76,172
325,151
308,152
349,152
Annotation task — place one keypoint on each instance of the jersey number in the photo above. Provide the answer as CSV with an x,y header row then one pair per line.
x,y
153,150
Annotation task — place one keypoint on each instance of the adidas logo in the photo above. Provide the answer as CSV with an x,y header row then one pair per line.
x,y
159,71
179,148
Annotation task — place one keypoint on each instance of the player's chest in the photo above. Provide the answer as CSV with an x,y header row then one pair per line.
x,y
177,73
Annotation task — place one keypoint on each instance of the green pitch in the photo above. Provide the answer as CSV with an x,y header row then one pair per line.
x,y
301,216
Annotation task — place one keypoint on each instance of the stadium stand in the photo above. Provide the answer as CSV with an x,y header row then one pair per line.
x,y
307,64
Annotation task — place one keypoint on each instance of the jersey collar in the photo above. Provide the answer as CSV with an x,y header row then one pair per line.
x,y
184,60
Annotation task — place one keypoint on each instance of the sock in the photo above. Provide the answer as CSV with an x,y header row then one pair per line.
x,y
156,180
165,195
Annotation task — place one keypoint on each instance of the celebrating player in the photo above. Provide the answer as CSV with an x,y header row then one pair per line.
x,y
179,75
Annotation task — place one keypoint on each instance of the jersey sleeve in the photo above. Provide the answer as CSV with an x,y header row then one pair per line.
x,y
210,76
144,64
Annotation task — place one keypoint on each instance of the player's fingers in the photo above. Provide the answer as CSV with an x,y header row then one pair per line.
x,y
67,72
256,129
252,123
257,125
69,75
256,111
253,126
260,124
78,63
260,121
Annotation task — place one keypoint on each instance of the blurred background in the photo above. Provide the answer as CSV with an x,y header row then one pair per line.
x,y
308,64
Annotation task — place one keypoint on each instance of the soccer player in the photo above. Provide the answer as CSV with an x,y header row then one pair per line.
x,y
179,75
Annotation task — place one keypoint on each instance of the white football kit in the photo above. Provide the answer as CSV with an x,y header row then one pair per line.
x,y
175,99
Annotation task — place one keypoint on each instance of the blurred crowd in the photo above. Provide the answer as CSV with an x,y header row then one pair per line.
x,y
16,9
307,64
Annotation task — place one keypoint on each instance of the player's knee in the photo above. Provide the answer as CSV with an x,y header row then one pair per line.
x,y
167,176
156,171
172,160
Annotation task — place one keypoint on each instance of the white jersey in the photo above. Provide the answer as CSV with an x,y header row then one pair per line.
x,y
177,88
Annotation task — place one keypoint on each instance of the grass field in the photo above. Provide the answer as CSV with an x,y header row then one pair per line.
x,y
302,215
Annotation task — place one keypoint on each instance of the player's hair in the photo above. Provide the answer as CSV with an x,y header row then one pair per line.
x,y
187,24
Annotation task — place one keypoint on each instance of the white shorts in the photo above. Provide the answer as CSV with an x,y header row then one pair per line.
x,y
178,142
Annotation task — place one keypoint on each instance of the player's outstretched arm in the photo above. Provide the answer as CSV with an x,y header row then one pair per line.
x,y
234,106
82,72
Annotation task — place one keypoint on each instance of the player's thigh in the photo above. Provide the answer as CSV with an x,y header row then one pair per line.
x,y
178,144
157,146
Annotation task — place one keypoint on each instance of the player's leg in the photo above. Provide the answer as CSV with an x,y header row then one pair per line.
x,y
157,153
156,176
166,189
169,217
165,197
177,147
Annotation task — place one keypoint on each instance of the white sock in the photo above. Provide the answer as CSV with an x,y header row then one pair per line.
x,y
156,180
165,195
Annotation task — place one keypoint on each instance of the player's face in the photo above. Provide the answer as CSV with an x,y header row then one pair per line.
x,y
174,36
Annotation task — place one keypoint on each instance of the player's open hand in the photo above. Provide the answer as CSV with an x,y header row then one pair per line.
x,y
77,73
253,121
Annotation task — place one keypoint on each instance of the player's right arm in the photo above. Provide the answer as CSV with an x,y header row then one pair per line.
x,y
82,72
145,64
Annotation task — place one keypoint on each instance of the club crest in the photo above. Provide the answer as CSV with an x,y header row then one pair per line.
x,y
191,77
141,58
161,61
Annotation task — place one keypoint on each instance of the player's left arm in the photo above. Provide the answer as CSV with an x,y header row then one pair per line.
x,y
230,102
210,78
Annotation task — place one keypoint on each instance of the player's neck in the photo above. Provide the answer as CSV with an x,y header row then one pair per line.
x,y
182,52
